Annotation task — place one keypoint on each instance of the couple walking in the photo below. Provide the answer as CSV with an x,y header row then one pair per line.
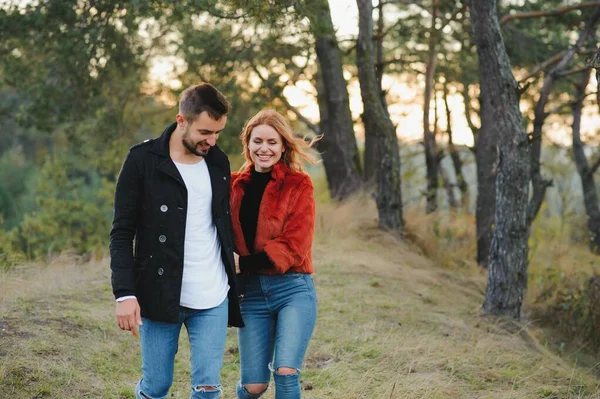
x,y
194,244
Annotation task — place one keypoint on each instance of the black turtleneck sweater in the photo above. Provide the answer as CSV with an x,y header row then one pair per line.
x,y
249,210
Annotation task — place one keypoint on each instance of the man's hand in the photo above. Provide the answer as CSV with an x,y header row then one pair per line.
x,y
236,259
129,316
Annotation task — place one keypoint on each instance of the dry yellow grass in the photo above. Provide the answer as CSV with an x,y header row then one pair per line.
x,y
393,323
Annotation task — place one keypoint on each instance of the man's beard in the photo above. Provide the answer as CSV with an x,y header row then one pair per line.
x,y
191,146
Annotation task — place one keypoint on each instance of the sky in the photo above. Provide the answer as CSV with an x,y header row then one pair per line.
x,y
344,14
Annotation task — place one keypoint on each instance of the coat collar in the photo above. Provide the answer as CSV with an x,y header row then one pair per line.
x,y
216,161
278,173
161,147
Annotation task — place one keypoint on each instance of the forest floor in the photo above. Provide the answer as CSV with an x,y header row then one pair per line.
x,y
392,324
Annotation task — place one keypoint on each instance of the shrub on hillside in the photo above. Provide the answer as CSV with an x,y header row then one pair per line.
x,y
9,256
72,214
570,303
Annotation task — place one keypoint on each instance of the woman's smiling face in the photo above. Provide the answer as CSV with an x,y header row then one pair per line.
x,y
266,148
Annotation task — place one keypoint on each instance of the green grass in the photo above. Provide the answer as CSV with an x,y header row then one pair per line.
x,y
392,323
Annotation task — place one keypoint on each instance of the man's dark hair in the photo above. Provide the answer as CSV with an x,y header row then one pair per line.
x,y
201,98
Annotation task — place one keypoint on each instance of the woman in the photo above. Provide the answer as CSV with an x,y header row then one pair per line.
x,y
273,216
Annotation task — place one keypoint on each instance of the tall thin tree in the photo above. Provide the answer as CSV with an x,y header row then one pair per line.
x,y
431,158
389,193
338,146
586,174
457,162
486,159
539,183
507,276
371,156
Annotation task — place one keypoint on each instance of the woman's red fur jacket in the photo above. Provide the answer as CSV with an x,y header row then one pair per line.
x,y
286,219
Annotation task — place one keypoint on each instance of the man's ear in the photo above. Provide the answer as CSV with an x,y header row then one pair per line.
x,y
180,120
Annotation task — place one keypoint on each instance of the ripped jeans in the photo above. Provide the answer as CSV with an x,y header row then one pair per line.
x,y
279,314
207,332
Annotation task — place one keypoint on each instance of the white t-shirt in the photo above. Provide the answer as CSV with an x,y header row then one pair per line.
x,y
205,284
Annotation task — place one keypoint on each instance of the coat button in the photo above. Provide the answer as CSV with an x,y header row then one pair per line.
x,y
224,177
164,208
162,238
160,271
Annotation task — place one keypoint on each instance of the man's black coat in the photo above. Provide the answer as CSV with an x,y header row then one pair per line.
x,y
150,207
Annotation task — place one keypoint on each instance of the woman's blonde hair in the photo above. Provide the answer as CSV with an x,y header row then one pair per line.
x,y
295,148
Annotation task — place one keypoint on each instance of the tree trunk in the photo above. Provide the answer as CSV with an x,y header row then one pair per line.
x,y
449,188
486,158
595,63
338,145
469,110
371,157
538,182
371,160
443,173
428,137
380,65
455,156
389,194
590,194
507,277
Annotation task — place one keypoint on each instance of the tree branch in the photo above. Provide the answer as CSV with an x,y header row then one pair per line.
x,y
538,14
468,109
215,12
573,71
401,60
277,92
594,167
302,118
411,3
543,65
560,107
454,16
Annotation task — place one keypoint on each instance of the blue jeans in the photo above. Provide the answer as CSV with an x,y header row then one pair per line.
x,y
207,331
279,314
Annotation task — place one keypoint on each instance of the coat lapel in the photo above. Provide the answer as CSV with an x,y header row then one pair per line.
x,y
218,182
167,167
216,160
161,147
237,193
218,169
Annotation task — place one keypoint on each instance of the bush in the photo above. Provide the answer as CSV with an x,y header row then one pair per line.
x,y
73,213
570,304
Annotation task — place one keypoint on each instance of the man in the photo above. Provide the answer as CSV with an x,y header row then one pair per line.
x,y
172,196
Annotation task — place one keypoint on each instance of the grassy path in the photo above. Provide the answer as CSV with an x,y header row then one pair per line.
x,y
390,325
